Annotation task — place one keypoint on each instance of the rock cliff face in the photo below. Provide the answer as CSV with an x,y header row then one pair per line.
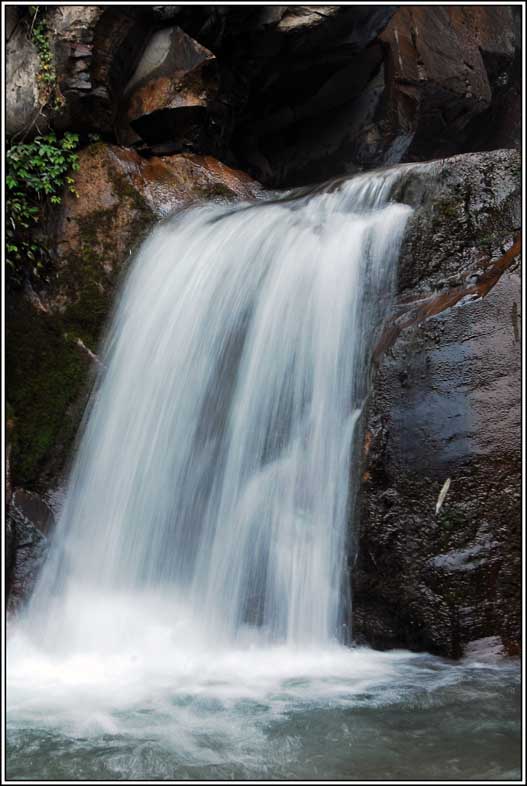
x,y
294,95
22,66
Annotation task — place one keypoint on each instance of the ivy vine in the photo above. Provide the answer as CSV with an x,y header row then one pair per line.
x,y
47,76
36,175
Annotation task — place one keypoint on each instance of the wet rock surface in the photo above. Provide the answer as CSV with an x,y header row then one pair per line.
x,y
446,405
29,524
469,207
440,64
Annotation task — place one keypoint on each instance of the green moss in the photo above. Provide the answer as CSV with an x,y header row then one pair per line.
x,y
447,208
45,374
218,190
124,190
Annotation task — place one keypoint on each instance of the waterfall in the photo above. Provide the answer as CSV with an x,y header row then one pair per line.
x,y
189,622
215,466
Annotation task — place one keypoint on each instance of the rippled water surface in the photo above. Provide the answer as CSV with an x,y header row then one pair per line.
x,y
169,706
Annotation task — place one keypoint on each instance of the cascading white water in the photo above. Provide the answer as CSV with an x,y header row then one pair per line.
x,y
215,461
186,623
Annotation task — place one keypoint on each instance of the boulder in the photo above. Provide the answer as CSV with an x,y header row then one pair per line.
x,y
467,207
318,78
440,63
171,95
439,535
9,529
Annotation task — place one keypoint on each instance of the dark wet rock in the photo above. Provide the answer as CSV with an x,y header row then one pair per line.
x,y
30,521
470,208
379,86
11,21
442,67
446,404
10,552
315,80
9,529
437,79
282,68
33,510
500,125
164,13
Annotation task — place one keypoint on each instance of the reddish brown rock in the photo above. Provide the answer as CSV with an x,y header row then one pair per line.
x,y
119,195
172,92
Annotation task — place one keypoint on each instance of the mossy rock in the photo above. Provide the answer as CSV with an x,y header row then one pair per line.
x,y
45,374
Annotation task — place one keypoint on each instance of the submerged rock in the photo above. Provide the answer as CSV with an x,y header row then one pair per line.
x,y
446,403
